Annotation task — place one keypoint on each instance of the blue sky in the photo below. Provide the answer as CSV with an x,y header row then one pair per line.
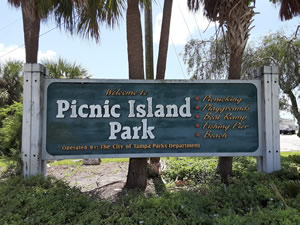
x,y
108,59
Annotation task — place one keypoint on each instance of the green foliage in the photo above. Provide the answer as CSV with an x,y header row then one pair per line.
x,y
264,216
249,198
10,82
49,201
64,69
10,129
10,136
294,158
5,162
291,188
206,59
193,169
278,50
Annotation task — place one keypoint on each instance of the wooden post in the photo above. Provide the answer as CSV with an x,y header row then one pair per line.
x,y
33,120
270,161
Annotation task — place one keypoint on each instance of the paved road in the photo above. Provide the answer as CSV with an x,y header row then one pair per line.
x,y
289,143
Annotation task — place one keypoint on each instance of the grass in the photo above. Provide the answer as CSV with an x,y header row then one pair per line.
x,y
250,197
76,162
105,160
67,162
285,154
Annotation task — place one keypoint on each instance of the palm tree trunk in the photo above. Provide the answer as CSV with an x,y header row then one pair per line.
x,y
225,163
164,40
162,62
137,174
154,162
235,65
134,41
31,26
149,42
238,16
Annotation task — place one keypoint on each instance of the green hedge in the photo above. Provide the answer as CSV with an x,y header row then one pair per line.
x,y
249,198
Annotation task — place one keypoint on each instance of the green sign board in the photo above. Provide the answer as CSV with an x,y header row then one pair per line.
x,y
134,118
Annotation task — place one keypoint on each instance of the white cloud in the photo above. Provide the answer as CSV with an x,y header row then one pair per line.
x,y
14,52
184,24
49,54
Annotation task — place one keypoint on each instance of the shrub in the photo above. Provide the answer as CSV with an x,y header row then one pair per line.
x,y
10,131
46,201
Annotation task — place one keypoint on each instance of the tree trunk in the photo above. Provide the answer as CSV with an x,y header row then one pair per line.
x,y
238,16
235,65
225,163
155,166
31,26
295,109
164,40
137,170
134,41
154,162
149,42
137,174
225,168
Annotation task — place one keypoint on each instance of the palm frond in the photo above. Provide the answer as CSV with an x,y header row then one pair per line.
x,y
64,69
85,17
15,3
194,5
95,13
211,7
289,9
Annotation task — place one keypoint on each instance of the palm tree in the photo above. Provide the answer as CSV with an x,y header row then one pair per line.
x,y
10,82
64,69
81,16
236,16
32,17
137,177
85,17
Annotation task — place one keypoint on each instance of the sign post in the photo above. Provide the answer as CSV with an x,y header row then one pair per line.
x,y
34,75
69,119
270,160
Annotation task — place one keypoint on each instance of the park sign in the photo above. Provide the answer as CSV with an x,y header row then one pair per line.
x,y
93,118
118,118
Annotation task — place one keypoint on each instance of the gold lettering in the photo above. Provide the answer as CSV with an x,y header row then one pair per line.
x,y
209,116
239,125
142,146
209,98
210,135
120,92
216,126
229,116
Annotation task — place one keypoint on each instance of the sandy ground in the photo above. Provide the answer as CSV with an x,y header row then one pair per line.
x,y
105,180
